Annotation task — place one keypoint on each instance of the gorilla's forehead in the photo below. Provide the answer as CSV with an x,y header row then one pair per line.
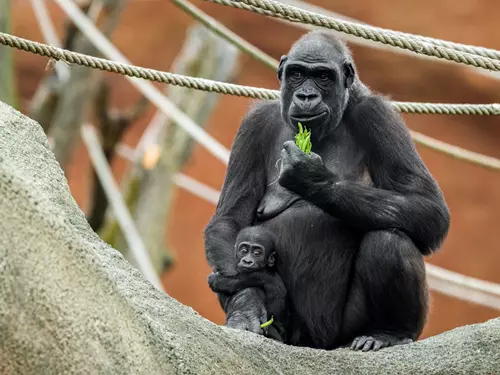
x,y
312,50
256,235
318,47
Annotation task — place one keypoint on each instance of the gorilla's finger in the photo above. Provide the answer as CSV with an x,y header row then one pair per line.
x,y
368,345
255,326
354,343
294,153
377,345
289,146
361,342
315,157
284,156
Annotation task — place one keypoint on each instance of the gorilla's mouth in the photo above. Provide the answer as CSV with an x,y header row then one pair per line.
x,y
244,268
307,119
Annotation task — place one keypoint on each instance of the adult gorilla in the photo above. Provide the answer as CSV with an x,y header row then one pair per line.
x,y
353,219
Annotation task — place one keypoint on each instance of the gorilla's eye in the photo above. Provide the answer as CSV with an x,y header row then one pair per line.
x,y
257,252
243,250
323,76
296,75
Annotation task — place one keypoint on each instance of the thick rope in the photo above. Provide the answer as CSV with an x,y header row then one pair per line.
x,y
215,86
135,71
447,109
456,152
480,51
293,14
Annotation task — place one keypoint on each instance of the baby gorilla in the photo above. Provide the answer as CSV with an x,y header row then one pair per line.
x,y
255,258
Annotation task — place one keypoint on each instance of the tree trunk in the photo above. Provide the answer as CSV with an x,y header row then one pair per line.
x,y
75,94
204,55
69,303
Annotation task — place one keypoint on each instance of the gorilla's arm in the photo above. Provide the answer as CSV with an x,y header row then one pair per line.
x,y
243,188
270,282
259,279
405,196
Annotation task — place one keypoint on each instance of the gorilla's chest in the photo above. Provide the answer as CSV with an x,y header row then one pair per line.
x,y
347,163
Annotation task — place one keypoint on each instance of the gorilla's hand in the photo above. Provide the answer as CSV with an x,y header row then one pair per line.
x,y
246,311
301,173
223,284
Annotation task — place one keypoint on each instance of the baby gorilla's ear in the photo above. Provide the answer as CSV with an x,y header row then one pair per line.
x,y
271,259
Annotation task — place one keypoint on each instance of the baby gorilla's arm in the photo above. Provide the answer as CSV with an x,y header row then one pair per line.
x,y
233,284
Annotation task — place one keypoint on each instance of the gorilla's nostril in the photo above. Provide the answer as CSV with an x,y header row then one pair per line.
x,y
307,97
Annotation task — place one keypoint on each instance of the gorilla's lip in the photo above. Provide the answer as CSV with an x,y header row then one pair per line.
x,y
308,118
244,269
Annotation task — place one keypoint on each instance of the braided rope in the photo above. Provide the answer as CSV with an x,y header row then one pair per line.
x,y
474,50
293,14
135,71
215,86
459,153
447,109
480,51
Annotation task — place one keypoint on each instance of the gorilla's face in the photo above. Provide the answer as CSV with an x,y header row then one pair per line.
x,y
315,78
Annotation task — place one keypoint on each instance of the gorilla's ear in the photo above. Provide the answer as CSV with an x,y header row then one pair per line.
x,y
271,259
348,74
280,66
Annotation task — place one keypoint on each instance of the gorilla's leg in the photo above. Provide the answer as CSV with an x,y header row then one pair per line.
x,y
388,301
245,310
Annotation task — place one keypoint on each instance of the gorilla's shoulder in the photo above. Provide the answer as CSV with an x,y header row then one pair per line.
x,y
263,112
259,123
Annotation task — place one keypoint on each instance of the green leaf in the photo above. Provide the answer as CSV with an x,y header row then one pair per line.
x,y
268,323
300,128
303,139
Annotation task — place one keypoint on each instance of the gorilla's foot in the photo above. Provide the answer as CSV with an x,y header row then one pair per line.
x,y
378,341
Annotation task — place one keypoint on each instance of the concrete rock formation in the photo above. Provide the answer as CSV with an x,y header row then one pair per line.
x,y
69,303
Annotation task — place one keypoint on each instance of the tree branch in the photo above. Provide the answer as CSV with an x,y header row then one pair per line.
x,y
69,303
112,124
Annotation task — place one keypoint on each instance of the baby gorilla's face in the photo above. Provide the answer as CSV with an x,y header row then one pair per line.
x,y
250,256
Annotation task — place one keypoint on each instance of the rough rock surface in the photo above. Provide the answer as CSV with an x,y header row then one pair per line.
x,y
70,304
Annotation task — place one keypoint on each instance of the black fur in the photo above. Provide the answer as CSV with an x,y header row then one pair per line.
x,y
262,274
352,220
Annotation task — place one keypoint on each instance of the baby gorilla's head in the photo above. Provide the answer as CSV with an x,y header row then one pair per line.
x,y
254,249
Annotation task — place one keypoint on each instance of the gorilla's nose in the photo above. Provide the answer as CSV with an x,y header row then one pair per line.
x,y
307,101
247,262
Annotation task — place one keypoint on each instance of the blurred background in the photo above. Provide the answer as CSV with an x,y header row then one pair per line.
x,y
159,34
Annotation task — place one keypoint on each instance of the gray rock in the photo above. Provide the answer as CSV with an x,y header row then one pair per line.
x,y
70,304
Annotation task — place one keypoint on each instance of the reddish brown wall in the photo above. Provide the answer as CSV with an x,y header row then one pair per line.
x,y
151,34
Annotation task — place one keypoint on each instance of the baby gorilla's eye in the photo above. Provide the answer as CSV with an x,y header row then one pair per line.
x,y
257,252
296,74
243,250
